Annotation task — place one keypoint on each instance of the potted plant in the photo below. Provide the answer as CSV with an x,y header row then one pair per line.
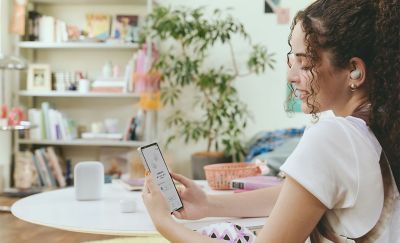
x,y
187,37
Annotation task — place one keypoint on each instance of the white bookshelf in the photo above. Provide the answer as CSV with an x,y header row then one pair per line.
x,y
77,94
88,57
76,45
83,142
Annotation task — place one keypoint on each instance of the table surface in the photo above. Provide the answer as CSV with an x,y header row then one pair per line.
x,y
59,209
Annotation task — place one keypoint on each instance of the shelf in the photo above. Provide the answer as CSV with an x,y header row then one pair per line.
x,y
81,2
17,127
84,142
77,45
76,94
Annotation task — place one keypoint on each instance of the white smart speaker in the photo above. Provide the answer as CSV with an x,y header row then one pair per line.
x,y
89,180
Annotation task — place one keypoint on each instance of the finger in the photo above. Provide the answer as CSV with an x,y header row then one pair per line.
x,y
180,189
150,185
178,214
145,187
145,195
182,179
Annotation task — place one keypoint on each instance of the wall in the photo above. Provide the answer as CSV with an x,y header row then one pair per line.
x,y
264,94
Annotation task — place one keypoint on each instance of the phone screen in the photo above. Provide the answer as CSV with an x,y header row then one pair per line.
x,y
155,163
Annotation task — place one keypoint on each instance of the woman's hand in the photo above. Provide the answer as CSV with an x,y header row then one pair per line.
x,y
194,199
155,202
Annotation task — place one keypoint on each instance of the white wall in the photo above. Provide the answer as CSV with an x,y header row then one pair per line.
x,y
265,94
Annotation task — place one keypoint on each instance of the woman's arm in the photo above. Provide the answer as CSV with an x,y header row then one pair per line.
x,y
257,203
294,216
198,205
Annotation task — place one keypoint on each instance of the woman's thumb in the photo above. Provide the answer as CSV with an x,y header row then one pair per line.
x,y
178,214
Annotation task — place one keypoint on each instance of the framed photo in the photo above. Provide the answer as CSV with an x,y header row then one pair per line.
x,y
98,26
39,77
125,28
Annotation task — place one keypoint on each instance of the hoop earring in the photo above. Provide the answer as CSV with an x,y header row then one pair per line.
x,y
353,87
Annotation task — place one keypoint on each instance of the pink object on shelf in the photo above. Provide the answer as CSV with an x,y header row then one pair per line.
x,y
4,111
15,117
254,182
107,90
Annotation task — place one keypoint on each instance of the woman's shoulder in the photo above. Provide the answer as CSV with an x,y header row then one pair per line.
x,y
339,123
329,129
341,128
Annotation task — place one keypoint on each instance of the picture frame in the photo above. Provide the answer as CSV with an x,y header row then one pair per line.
x,y
98,26
39,77
125,28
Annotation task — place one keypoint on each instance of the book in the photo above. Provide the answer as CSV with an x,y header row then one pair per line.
x,y
108,136
254,182
46,133
42,179
108,83
35,117
107,90
44,157
130,134
42,168
132,184
47,29
54,164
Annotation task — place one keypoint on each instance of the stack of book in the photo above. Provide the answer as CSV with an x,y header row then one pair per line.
x,y
132,184
48,168
51,123
254,182
46,28
109,85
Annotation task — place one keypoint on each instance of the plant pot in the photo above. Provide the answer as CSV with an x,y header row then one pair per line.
x,y
201,159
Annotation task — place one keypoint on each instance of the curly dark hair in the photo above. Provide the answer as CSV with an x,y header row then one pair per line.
x,y
370,30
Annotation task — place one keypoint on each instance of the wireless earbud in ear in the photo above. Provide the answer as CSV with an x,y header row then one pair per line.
x,y
355,74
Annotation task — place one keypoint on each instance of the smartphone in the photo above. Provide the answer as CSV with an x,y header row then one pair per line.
x,y
154,162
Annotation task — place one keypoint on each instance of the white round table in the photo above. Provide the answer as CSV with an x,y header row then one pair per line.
x,y
59,209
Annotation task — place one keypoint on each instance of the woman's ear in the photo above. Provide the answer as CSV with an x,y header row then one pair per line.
x,y
357,73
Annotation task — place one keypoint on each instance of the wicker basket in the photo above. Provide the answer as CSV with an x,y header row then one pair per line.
x,y
219,176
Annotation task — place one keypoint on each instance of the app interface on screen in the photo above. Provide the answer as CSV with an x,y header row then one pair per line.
x,y
160,173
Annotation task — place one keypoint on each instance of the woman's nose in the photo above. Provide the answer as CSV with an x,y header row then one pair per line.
x,y
293,74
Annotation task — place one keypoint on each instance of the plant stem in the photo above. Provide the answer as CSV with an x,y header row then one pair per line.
x,y
209,137
209,140
233,59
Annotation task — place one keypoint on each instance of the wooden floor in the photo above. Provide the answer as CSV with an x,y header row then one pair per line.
x,y
13,230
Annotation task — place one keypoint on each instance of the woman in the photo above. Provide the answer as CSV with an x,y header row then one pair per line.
x,y
344,57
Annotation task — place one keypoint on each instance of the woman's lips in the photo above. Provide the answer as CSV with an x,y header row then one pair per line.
x,y
301,94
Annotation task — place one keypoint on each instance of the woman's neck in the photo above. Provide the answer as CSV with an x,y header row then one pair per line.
x,y
353,105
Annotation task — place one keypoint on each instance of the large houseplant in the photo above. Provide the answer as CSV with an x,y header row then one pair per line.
x,y
187,37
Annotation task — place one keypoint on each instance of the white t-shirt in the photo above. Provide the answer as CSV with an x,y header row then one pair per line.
x,y
337,160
